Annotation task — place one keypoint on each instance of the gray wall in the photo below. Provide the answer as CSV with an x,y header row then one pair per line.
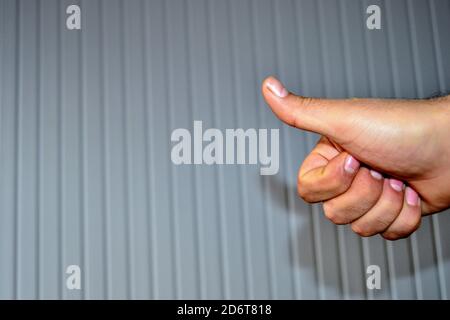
x,y
85,170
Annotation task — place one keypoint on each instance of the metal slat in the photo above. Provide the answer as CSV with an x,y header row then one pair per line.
x,y
86,118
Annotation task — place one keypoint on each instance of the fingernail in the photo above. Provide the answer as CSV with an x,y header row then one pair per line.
x,y
351,164
412,198
397,185
376,174
276,87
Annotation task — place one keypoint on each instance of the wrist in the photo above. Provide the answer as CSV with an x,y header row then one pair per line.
x,y
445,114
441,114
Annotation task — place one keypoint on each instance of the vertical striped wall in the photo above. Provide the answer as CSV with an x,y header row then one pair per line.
x,y
85,170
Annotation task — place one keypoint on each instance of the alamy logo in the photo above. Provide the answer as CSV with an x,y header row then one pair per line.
x,y
73,281
73,21
374,20
374,278
209,147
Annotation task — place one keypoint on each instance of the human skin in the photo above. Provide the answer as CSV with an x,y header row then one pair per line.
x,y
380,165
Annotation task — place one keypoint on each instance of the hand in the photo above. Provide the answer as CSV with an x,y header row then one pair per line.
x,y
381,163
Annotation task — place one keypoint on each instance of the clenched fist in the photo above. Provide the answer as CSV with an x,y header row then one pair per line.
x,y
380,164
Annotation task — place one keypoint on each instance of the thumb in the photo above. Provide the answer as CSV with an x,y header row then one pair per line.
x,y
323,116
377,132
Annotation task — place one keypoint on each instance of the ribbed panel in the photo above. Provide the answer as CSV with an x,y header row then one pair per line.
x,y
85,171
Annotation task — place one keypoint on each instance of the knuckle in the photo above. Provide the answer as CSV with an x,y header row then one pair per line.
x,y
391,236
382,222
306,190
414,224
332,213
305,193
312,190
407,228
328,207
402,231
361,231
